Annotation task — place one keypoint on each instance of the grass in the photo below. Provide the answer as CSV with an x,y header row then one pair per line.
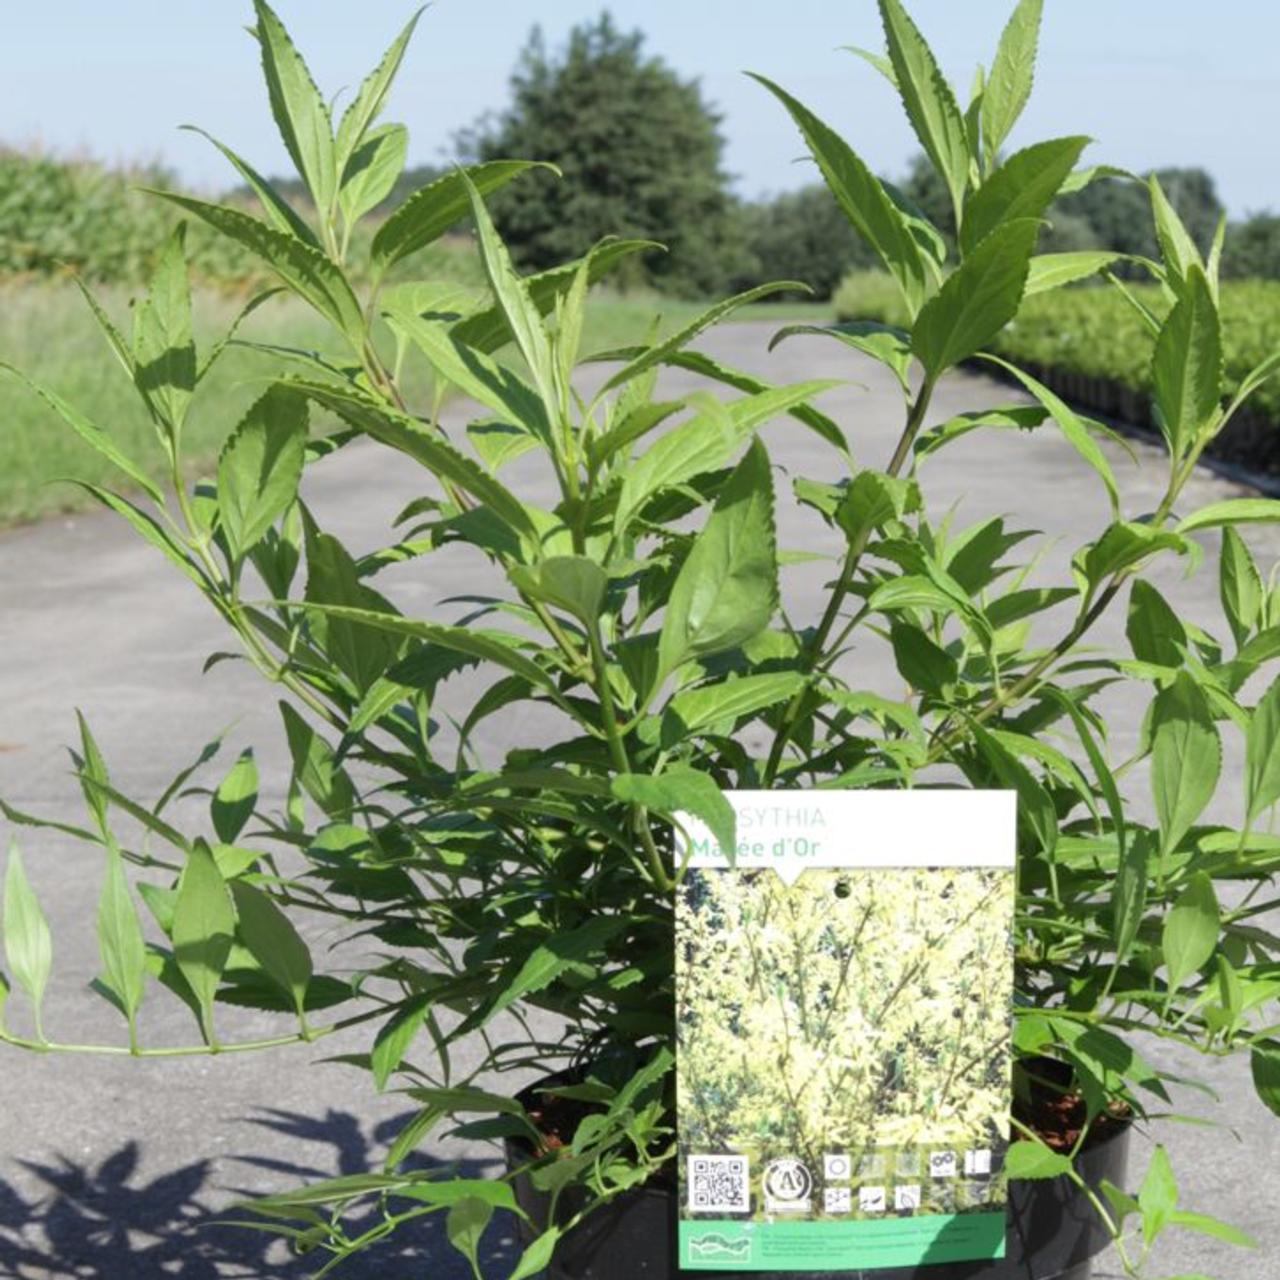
x,y
48,333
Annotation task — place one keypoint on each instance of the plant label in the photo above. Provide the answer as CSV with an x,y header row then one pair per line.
x,y
844,990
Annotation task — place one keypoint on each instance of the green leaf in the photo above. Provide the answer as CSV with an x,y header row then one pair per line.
x,y
1232,511
316,768
1239,586
1052,270
93,769
872,501
465,1224
930,104
1155,633
1123,545
1012,71
367,105
661,352
489,646
1262,755
1158,1196
260,467
727,589
300,112
978,299
1076,433
301,268
889,345
1177,248
235,798
863,198
394,1038
1191,928
554,957
1022,187
429,448
120,940
1265,1064
512,295
731,700
1186,758
703,443
1033,1161
430,212
371,173
272,940
472,372
203,929
537,1256
115,340
921,663
1214,1227
280,213
164,352
681,790
572,583
91,434
1186,370
28,944
150,529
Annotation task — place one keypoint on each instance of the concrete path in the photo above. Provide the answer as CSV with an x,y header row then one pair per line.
x,y
114,1169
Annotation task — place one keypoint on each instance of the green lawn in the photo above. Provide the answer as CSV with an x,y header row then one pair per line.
x,y
47,332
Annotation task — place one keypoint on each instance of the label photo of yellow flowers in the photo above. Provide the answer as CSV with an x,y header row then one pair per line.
x,y
844,1033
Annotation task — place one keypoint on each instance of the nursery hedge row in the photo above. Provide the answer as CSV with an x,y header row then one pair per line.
x,y
1089,346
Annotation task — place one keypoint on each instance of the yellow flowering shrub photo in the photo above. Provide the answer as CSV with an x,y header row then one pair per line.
x,y
864,1013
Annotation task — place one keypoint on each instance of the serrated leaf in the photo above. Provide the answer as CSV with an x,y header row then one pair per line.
x,y
367,105
683,791
1022,187
372,171
28,943
727,589
1239,586
430,212
977,300
1009,83
573,583
927,97
465,1224
164,352
300,112
863,199
1155,632
1052,270
394,1038
698,709
260,467
1186,758
203,930
1186,370
1265,1066
1232,511
301,268
91,434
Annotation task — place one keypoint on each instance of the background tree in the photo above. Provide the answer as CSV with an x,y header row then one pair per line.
x,y
1253,248
640,152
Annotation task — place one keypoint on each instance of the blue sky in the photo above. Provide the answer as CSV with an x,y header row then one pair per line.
x,y
1154,81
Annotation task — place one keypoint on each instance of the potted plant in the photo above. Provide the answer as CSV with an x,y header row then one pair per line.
x,y
524,901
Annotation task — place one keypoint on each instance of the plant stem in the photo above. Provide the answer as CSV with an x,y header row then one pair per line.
x,y
813,658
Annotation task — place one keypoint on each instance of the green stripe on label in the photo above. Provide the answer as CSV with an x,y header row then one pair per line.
x,y
727,1245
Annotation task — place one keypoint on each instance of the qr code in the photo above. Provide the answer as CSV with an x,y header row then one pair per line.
x,y
719,1184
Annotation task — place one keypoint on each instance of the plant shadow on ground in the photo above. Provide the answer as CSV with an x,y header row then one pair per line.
x,y
105,1222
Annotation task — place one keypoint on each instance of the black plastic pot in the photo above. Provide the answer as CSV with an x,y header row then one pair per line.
x,y
1053,1232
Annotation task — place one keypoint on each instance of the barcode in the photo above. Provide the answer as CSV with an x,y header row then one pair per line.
x,y
719,1184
